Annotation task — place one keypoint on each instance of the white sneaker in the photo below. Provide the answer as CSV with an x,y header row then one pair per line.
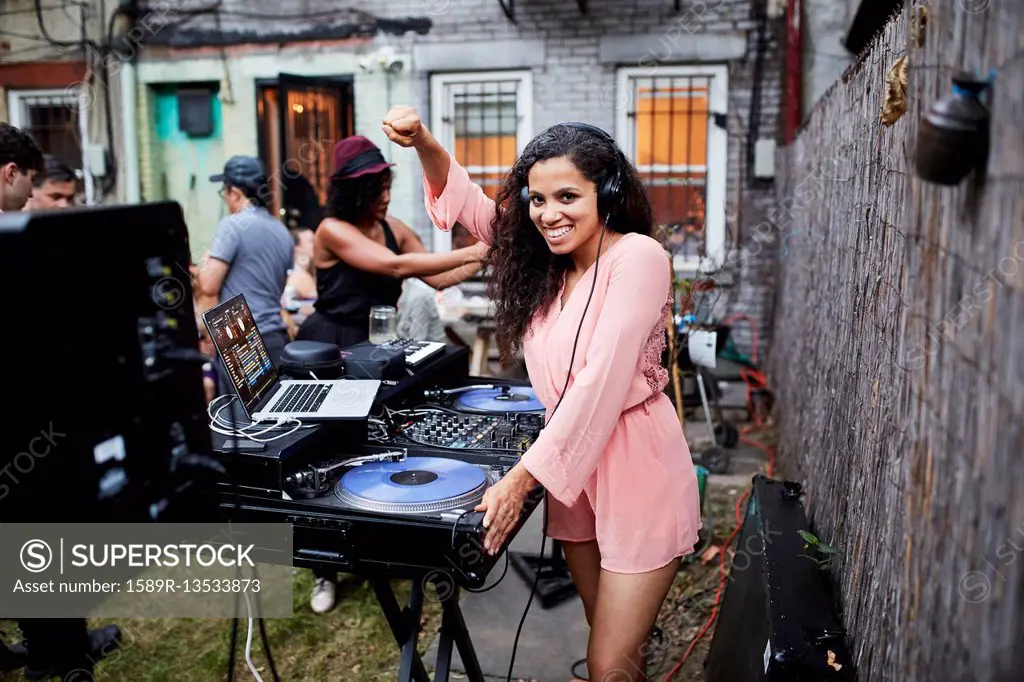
x,y
323,596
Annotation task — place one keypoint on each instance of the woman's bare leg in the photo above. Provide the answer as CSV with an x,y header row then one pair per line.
x,y
626,610
584,561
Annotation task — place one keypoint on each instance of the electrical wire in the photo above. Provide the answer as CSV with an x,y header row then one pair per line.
x,y
263,631
568,375
80,44
497,582
234,641
6,57
503,572
248,639
26,36
248,642
29,10
225,429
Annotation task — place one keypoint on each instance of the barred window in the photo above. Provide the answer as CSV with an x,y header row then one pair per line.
x,y
667,127
484,119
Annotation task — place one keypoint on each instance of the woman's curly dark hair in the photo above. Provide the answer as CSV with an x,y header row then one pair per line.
x,y
526,276
349,199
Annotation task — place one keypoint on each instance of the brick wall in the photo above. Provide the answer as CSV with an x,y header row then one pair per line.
x,y
566,52
30,62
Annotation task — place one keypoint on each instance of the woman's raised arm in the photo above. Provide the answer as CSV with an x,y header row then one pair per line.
x,y
450,194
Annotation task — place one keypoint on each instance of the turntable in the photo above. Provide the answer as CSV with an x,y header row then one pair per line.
x,y
400,511
415,485
497,399
393,482
396,514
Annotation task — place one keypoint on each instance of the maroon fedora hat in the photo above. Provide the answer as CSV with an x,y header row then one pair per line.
x,y
356,156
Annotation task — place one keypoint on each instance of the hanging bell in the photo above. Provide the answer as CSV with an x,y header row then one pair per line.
x,y
953,135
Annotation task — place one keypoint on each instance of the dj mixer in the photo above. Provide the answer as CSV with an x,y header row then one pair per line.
x,y
500,418
471,431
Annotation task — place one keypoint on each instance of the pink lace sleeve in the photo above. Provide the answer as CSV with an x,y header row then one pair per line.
x,y
655,373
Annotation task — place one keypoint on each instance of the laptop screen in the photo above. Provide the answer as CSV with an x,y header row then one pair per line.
x,y
241,348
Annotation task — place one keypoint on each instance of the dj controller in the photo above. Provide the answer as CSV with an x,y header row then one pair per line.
x,y
497,418
402,500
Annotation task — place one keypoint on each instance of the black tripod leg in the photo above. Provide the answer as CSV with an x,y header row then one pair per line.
x,y
454,627
443,663
405,625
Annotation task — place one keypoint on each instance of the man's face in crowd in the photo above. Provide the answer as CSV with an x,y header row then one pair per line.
x,y
53,195
17,186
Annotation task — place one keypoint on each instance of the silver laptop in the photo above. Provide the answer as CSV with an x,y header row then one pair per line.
x,y
265,396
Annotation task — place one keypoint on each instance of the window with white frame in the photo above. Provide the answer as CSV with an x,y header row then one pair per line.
x,y
57,121
667,127
484,119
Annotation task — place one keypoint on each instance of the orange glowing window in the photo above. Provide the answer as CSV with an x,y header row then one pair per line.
x,y
671,147
483,119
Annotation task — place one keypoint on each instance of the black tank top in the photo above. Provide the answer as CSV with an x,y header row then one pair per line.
x,y
345,294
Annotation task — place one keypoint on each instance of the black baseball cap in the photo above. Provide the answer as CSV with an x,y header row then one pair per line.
x,y
242,171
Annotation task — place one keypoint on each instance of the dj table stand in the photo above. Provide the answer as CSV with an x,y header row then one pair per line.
x,y
554,584
406,624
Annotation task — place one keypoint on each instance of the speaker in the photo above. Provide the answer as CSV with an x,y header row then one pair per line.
x,y
777,622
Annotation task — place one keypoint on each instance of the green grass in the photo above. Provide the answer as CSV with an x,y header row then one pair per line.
x,y
351,643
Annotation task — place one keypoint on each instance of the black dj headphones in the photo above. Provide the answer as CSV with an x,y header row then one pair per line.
x,y
609,192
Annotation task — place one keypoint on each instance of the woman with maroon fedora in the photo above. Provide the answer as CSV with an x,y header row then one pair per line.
x,y
362,254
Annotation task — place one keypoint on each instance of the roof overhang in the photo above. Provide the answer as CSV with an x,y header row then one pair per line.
x,y
509,7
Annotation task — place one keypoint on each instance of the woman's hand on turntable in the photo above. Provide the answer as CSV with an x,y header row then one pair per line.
x,y
502,506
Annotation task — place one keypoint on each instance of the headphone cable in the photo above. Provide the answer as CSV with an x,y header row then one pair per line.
x,y
544,532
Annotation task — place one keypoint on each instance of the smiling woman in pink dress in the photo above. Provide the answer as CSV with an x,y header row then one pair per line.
x,y
622,491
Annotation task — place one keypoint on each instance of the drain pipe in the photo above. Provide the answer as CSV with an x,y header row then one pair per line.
x,y
130,140
794,68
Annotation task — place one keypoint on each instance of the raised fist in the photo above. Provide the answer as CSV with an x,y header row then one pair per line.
x,y
402,125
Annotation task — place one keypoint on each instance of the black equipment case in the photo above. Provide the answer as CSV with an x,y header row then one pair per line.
x,y
302,359
778,622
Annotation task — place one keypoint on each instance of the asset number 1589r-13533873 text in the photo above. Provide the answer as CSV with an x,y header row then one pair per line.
x,y
212,585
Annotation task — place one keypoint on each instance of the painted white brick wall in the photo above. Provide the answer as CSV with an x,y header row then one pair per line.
x,y
240,121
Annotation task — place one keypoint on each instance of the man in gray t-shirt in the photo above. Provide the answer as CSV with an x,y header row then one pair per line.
x,y
251,252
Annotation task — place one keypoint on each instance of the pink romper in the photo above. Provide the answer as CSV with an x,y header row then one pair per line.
x,y
613,459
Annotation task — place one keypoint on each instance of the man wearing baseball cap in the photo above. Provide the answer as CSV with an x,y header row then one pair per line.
x,y
251,253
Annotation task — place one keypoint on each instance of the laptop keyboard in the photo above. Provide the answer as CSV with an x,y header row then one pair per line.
x,y
302,398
